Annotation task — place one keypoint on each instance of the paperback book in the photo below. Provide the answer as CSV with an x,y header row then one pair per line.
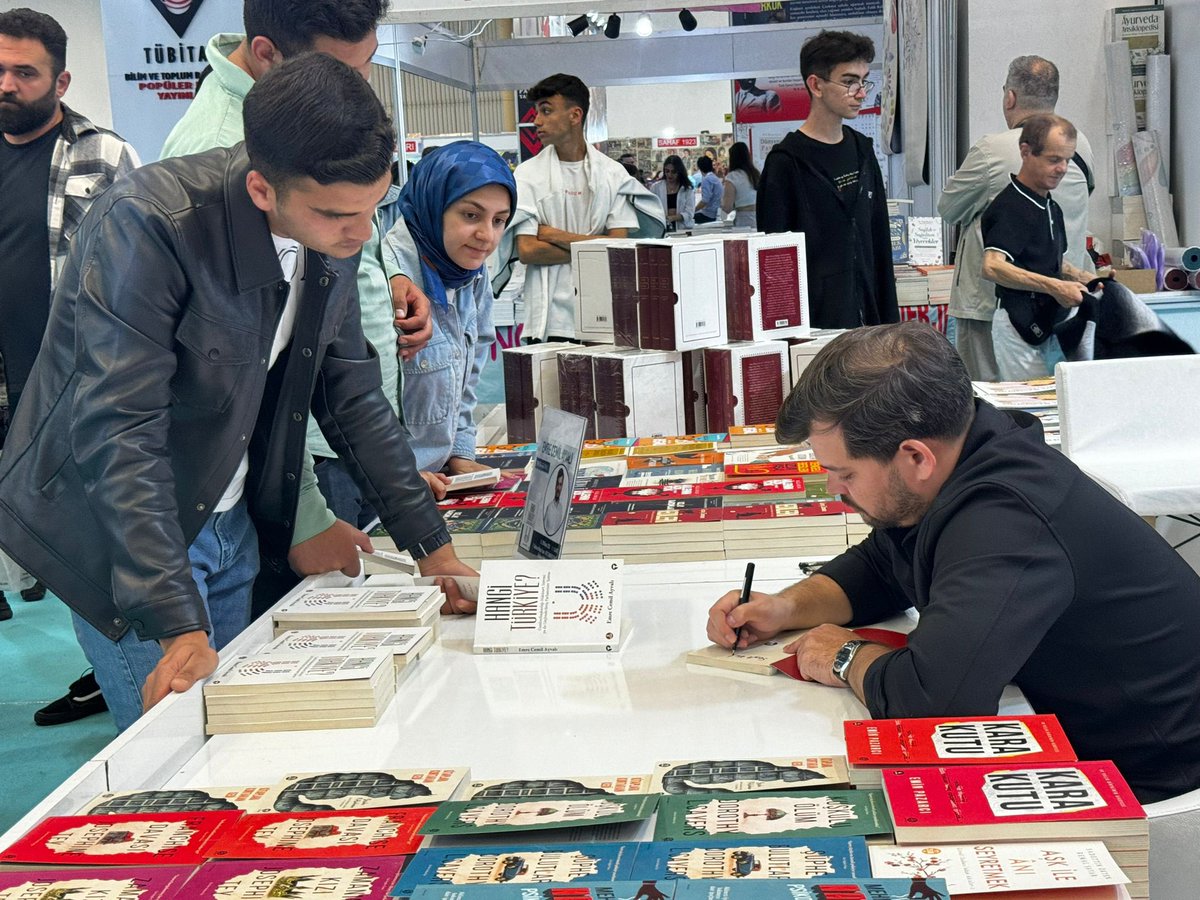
x,y
776,813
861,888
503,816
379,789
753,859
739,776
965,739
358,608
405,644
517,864
367,878
571,786
141,839
323,835
115,803
595,890
124,883
549,606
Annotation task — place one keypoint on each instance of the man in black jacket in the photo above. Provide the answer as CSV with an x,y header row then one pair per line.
x,y
207,303
1022,568
824,180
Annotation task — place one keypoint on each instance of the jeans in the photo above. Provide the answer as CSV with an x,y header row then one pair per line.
x,y
224,559
342,493
1017,360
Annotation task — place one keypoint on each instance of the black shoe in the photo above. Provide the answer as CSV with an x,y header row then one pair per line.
x,y
37,592
83,699
5,609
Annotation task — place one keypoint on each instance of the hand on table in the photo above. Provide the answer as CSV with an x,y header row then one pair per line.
x,y
762,617
816,649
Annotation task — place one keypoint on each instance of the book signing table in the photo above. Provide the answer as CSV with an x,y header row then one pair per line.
x,y
514,716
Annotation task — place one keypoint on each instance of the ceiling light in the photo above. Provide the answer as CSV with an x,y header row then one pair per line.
x,y
579,25
613,28
687,20
644,26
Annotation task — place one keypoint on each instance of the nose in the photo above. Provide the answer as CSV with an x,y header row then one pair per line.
x,y
360,229
8,82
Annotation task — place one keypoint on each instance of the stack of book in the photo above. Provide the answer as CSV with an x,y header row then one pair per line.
x,y
1037,396
744,382
939,280
687,531
912,286
530,386
405,644
755,435
807,529
802,351
359,607
297,691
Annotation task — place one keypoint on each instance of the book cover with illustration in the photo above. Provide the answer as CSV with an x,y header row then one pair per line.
x,y
964,739
1013,802
140,839
570,786
124,883
999,868
518,864
549,606
861,888
323,835
740,776
592,890
367,878
379,789
776,813
754,859
404,644
768,462
116,803
499,816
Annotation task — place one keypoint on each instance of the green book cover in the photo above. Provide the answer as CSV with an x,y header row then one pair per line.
x,y
491,817
777,813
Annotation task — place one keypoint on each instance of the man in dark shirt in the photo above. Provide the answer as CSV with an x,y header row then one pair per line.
x,y
1022,568
1024,240
824,180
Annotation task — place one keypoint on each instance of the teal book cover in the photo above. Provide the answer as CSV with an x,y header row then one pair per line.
x,y
466,817
777,813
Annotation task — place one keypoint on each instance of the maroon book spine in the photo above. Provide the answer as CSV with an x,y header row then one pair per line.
x,y
739,315
694,414
718,387
656,298
762,388
519,401
623,275
575,388
611,406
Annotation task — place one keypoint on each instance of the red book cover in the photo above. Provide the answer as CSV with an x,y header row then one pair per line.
x,y
472,501
779,288
364,878
324,835
737,290
990,802
142,839
662,517
762,388
759,511
623,275
117,883
719,400
894,639
749,488
1029,740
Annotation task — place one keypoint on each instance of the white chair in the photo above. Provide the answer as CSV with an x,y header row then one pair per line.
x,y
1133,425
1174,840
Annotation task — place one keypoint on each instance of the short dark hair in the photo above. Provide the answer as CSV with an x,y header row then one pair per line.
x,y
822,52
569,87
293,25
29,23
1035,82
882,385
704,163
313,116
1037,128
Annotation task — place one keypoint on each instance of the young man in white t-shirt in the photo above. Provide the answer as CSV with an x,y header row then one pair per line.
x,y
577,177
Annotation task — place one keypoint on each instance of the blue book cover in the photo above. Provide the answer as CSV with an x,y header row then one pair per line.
x,y
595,890
754,859
818,889
517,864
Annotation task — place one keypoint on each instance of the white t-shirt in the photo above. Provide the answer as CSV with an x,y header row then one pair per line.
x,y
291,261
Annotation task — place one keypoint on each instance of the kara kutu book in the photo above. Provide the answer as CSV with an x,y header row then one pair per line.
x,y
965,739
549,606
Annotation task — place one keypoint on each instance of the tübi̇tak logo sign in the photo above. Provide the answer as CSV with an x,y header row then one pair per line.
x,y
178,13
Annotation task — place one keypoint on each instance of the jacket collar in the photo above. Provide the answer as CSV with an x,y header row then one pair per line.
x,y
255,264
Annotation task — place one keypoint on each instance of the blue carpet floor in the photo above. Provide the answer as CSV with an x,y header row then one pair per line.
x,y
40,657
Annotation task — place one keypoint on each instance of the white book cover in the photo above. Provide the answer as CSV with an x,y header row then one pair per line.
x,y
264,669
549,606
593,290
992,867
651,392
779,286
397,641
699,275
544,374
336,601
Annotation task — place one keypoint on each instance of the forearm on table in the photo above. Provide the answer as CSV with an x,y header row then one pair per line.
x,y
817,600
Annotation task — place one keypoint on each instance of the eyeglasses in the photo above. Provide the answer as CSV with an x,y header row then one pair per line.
x,y
852,87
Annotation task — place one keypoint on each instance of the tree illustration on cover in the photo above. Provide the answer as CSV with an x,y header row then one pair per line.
x,y
544,787
306,794
707,776
161,801
919,868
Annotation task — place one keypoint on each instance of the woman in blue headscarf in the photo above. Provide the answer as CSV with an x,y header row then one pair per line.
x,y
453,210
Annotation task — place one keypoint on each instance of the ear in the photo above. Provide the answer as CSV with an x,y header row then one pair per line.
x,y
1010,99
61,83
261,193
263,54
1026,152
814,85
916,460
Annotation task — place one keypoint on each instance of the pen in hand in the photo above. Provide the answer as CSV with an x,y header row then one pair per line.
x,y
745,598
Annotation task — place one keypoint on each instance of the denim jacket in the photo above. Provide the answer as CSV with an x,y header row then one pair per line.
x,y
441,379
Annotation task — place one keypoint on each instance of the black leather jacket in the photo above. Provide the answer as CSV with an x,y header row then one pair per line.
x,y
152,382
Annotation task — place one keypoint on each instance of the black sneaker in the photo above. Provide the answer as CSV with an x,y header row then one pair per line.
x,y
37,592
5,609
83,699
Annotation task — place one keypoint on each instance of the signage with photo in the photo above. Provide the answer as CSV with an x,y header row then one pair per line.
x,y
548,502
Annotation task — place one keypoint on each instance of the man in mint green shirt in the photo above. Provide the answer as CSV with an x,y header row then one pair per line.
x,y
390,303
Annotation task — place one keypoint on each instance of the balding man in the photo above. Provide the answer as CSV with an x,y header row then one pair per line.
x,y
1030,88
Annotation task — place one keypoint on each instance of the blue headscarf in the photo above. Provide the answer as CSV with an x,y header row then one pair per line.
x,y
447,174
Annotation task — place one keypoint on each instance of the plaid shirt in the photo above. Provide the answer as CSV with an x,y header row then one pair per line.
x,y
87,159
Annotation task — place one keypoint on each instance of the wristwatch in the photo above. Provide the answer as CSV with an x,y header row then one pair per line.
x,y
843,658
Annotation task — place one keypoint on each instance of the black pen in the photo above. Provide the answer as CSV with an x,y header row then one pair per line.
x,y
745,598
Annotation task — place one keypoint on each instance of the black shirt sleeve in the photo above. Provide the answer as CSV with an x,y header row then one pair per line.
x,y
777,194
1001,230
865,573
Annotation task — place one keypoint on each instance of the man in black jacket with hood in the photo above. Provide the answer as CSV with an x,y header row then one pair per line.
x,y
824,180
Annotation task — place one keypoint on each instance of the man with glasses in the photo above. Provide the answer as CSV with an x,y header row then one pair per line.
x,y
1024,240
824,180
